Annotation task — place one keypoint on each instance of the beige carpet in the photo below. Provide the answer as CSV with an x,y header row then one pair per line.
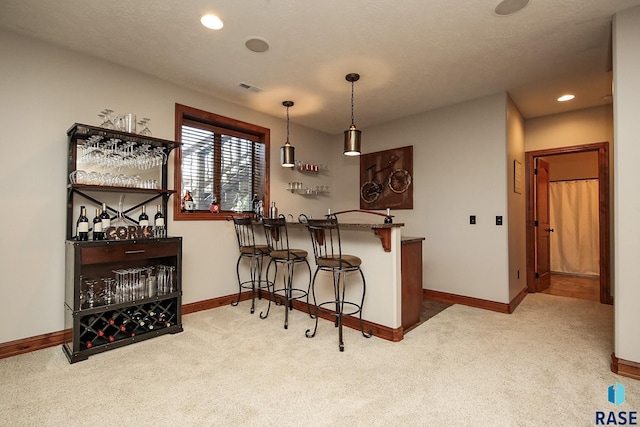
x,y
545,365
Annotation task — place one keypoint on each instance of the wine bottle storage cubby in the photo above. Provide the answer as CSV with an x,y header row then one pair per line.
x,y
128,323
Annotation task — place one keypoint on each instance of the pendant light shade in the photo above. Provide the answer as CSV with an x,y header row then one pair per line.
x,y
352,136
287,151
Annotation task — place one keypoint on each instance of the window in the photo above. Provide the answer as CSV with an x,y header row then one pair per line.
x,y
222,157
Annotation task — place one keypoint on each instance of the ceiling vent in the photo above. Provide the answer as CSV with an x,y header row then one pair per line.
x,y
249,87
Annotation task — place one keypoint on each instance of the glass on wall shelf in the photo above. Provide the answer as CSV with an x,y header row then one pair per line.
x,y
82,131
310,168
309,191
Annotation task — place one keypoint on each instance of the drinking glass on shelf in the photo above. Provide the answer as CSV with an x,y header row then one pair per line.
x,y
144,123
109,290
90,292
162,279
170,270
105,115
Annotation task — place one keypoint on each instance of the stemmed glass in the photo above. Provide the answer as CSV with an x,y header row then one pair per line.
x,y
105,115
160,157
145,127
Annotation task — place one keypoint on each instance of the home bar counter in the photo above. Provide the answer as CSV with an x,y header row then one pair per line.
x,y
392,267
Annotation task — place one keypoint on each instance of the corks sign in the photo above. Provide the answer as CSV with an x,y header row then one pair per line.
x,y
386,179
130,232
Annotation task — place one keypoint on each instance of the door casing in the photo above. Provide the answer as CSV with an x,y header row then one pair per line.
x,y
604,226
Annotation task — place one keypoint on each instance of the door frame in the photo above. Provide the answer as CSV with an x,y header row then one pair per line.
x,y
604,225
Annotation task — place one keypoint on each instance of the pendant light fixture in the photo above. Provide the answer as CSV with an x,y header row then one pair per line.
x,y
287,151
352,136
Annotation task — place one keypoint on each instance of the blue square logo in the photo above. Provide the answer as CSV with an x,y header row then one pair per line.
x,y
616,394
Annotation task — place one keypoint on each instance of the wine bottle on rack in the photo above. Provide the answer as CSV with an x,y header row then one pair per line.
x,y
143,219
87,339
82,225
97,226
104,216
159,218
158,221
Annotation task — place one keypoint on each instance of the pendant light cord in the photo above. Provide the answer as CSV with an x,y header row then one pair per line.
x,y
287,124
352,99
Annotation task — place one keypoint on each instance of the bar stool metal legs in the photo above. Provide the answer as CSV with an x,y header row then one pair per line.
x,y
288,292
255,282
255,254
339,302
277,237
325,237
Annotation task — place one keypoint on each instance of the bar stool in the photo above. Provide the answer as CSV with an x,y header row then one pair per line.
x,y
277,236
255,254
325,237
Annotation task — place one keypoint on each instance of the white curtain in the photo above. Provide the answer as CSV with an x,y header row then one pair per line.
x,y
574,217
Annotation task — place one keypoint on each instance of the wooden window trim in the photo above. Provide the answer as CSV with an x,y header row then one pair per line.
x,y
262,135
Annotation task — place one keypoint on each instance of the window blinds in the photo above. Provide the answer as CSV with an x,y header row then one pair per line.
x,y
223,162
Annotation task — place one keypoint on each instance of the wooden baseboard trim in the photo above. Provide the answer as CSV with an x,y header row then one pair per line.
x,y
208,304
464,300
353,322
625,368
39,342
377,330
515,302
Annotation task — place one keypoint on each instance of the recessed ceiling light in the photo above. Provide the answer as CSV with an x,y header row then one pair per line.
x,y
567,97
509,7
212,21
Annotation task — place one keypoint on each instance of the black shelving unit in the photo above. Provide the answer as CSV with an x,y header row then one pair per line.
x,y
113,320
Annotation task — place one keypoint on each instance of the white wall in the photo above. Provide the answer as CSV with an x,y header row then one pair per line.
x,y
459,170
626,66
516,201
577,127
43,91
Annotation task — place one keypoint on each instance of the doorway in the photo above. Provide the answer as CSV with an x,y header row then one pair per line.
x,y
535,256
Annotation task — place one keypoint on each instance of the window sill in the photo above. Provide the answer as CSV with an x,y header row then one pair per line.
x,y
207,215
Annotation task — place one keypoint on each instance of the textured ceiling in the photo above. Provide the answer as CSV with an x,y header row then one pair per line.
x,y
413,55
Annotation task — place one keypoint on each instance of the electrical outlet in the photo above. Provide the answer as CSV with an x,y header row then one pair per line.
x,y
472,219
499,220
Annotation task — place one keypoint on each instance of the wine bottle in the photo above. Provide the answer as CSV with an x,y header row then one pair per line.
x,y
159,218
97,226
104,216
388,219
143,219
87,339
273,210
163,320
187,202
148,323
82,225
214,208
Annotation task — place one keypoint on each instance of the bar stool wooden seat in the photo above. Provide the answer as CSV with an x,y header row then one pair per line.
x,y
277,237
327,248
255,254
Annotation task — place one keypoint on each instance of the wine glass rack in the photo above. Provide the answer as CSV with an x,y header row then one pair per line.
x,y
118,313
